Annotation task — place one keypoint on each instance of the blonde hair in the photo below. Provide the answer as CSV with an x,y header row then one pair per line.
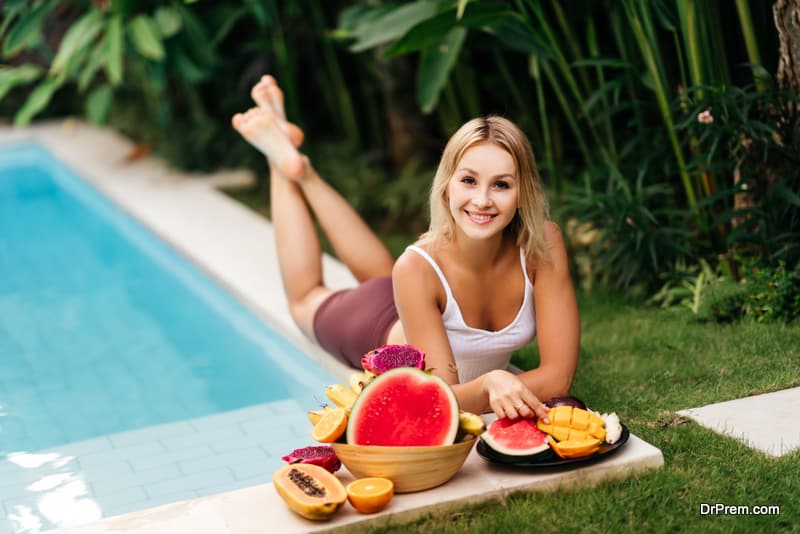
x,y
533,211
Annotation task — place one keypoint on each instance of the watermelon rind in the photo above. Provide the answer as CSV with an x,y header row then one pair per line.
x,y
383,415
515,437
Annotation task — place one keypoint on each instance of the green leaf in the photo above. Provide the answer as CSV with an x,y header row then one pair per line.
x,y
97,58
260,12
435,65
353,20
168,20
78,37
10,11
462,5
479,15
37,101
229,16
186,68
196,39
430,31
27,32
423,35
98,103
12,76
145,37
392,25
613,62
114,55
517,34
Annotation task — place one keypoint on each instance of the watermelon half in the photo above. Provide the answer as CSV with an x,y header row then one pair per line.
x,y
404,407
515,437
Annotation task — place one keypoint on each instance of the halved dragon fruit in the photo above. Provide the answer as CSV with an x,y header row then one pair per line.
x,y
321,455
389,357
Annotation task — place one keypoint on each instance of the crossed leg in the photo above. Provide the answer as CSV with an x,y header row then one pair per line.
x,y
294,188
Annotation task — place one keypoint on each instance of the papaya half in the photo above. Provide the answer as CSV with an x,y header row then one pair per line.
x,y
310,490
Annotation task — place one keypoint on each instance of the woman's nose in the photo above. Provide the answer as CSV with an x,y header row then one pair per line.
x,y
482,198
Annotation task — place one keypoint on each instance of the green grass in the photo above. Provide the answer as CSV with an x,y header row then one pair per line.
x,y
645,364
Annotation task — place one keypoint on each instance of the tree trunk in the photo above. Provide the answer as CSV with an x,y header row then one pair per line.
x,y
787,21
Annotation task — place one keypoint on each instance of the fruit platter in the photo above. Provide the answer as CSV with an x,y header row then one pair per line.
x,y
574,434
395,427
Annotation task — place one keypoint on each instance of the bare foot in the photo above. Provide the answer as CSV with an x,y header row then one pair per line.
x,y
267,93
261,128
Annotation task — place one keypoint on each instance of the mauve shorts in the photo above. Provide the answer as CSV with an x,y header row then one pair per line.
x,y
352,322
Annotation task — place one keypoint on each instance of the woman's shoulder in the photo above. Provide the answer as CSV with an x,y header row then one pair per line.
x,y
414,260
555,249
414,274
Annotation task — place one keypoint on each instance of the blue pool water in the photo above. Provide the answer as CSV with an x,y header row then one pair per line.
x,y
104,328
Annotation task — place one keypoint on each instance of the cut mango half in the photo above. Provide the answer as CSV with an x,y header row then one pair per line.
x,y
574,448
568,423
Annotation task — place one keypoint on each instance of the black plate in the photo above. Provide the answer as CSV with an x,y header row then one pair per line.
x,y
548,458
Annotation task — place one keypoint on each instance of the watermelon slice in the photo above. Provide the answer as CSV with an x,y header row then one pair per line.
x,y
515,437
404,407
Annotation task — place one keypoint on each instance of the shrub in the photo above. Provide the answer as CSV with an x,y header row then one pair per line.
x,y
768,293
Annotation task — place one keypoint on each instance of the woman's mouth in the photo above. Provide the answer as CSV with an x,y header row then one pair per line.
x,y
480,218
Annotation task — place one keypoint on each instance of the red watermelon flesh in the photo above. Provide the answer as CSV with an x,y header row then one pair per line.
x,y
404,407
515,437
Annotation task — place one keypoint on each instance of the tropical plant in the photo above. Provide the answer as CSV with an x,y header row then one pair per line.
x,y
611,94
171,72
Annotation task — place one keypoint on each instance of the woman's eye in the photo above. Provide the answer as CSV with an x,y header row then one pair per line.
x,y
468,180
502,185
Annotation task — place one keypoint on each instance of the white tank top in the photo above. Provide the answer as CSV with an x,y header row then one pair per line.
x,y
479,351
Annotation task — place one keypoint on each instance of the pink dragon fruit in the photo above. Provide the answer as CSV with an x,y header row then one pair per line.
x,y
321,455
388,357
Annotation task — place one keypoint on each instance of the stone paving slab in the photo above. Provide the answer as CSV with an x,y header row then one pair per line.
x,y
259,509
768,422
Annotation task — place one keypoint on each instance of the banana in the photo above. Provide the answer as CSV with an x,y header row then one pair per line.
x,y
471,423
341,396
358,382
315,415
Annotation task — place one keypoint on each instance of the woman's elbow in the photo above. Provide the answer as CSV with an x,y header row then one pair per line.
x,y
559,383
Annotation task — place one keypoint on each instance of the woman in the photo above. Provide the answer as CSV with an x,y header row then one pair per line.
x,y
463,293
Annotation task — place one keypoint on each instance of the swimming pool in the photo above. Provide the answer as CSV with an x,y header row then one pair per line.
x,y
118,355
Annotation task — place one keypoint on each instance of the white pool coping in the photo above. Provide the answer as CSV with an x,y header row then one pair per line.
x,y
236,247
766,422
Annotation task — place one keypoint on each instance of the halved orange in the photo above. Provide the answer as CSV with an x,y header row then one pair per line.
x,y
370,495
331,426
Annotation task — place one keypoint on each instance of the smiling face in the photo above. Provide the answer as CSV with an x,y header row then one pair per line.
x,y
483,192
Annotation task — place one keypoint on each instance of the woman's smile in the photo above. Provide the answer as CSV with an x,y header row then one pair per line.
x,y
480,218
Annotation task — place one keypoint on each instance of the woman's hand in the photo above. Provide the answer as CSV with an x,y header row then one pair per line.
x,y
509,397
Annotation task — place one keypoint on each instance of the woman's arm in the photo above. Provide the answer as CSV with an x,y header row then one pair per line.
x,y
417,292
557,322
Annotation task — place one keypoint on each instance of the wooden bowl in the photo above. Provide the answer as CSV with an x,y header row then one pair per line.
x,y
410,468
